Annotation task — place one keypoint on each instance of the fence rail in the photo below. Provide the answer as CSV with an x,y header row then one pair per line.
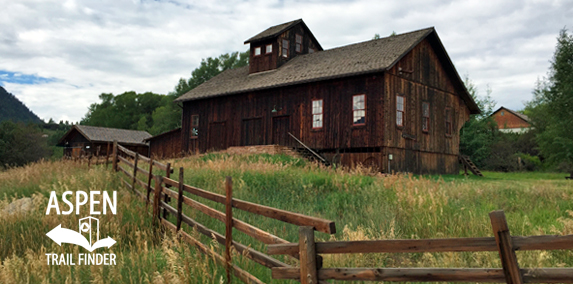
x,y
503,242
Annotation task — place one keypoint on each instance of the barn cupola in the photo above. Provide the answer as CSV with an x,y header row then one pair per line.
x,y
276,45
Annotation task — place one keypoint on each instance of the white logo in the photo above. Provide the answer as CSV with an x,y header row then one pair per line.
x,y
86,226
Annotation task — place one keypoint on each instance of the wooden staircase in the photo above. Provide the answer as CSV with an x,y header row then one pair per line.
x,y
468,164
308,153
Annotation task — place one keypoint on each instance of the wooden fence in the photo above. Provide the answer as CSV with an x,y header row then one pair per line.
x,y
161,189
503,242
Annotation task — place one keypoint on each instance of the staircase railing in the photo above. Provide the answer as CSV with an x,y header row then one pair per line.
x,y
315,154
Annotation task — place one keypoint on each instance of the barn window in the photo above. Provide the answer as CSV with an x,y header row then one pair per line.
x,y
298,40
400,110
310,50
448,121
257,50
425,116
359,109
317,114
285,48
194,126
269,48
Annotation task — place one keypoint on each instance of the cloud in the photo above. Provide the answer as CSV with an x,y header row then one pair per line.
x,y
74,50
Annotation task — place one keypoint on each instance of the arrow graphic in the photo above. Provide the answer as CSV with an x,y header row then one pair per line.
x,y
62,235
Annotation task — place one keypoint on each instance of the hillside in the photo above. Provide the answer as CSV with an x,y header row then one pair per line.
x,y
13,109
365,206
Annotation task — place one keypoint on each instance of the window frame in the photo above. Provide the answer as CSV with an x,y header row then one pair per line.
x,y
297,44
255,51
426,118
355,110
193,126
267,48
403,111
321,113
311,50
448,122
285,47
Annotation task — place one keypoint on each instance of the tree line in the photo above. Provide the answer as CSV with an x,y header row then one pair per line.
x,y
549,144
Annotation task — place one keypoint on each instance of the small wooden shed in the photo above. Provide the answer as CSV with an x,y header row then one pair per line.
x,y
83,140
166,144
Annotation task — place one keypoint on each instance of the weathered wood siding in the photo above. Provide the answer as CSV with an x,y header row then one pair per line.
x,y
248,119
166,145
273,60
420,77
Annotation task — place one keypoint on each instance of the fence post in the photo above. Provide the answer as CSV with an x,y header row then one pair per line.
x,y
149,178
89,160
134,171
307,251
228,225
107,156
114,164
180,199
505,247
156,199
166,198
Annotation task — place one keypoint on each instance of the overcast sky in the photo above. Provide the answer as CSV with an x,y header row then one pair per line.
x,y
58,56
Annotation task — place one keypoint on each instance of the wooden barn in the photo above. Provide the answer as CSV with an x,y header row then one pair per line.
x,y
511,121
165,145
394,103
83,140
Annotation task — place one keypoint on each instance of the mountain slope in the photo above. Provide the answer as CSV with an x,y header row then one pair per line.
x,y
13,109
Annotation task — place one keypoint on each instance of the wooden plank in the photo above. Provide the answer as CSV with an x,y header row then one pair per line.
x,y
156,199
161,166
399,274
429,245
125,161
180,199
307,252
135,160
319,224
539,275
149,178
248,252
228,222
166,198
145,159
115,155
505,246
142,171
548,242
241,274
126,151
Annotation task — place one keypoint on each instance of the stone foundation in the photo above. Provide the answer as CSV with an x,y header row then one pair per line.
x,y
261,149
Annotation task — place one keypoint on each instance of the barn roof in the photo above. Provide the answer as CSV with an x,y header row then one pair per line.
x,y
163,134
273,31
520,115
366,57
104,134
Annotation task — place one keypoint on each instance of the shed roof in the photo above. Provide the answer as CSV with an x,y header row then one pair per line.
x,y
104,134
366,57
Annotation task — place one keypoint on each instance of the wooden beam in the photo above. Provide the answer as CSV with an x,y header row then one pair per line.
x,y
307,252
115,155
180,199
228,223
505,247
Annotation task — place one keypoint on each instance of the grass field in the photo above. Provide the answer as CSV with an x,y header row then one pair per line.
x,y
363,205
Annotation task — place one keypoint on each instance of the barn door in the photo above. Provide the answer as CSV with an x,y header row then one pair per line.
x,y
217,136
280,130
252,132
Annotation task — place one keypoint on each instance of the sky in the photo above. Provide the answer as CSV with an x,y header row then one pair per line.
x,y
57,56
